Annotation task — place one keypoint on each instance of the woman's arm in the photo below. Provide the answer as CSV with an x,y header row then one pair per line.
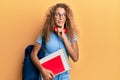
x,y
47,74
34,57
72,48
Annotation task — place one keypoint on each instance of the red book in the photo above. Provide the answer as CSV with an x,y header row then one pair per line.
x,y
57,62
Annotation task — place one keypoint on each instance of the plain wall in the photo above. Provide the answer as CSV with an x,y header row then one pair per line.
x,y
98,23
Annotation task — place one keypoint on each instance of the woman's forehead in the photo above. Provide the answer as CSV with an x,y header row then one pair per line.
x,y
60,10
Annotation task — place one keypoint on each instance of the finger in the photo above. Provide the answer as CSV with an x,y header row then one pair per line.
x,y
52,74
59,31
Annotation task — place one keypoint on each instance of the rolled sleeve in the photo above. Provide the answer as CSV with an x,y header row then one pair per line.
x,y
74,38
39,40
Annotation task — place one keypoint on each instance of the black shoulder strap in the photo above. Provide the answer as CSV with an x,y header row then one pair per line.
x,y
43,41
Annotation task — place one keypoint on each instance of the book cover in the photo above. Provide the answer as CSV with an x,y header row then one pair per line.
x,y
57,62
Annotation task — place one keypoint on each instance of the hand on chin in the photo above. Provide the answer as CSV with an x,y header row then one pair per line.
x,y
60,25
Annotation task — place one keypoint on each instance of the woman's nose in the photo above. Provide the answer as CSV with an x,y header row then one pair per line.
x,y
60,17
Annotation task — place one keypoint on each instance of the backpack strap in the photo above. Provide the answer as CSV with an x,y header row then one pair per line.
x,y
41,52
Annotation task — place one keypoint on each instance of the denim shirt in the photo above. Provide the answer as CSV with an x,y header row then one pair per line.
x,y
55,43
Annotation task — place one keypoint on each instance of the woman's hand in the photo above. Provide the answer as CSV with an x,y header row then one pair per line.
x,y
47,74
61,33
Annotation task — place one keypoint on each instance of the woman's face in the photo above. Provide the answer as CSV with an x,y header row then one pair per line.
x,y
60,17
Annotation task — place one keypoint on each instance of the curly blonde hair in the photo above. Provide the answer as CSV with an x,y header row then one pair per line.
x,y
49,21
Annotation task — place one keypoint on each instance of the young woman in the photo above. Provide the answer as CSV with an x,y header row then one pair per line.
x,y
58,32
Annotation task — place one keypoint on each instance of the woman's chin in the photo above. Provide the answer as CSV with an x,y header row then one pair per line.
x,y
60,25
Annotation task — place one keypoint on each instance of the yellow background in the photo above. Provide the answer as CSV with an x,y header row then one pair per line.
x,y
98,22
